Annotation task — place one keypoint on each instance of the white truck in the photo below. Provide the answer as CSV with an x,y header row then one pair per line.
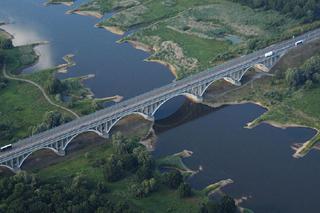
x,y
299,42
6,147
268,54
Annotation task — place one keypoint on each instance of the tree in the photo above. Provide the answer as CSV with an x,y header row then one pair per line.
x,y
113,170
173,179
227,205
184,190
6,43
54,86
50,120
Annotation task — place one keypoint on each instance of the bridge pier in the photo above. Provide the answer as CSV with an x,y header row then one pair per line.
x,y
61,153
17,170
232,81
105,135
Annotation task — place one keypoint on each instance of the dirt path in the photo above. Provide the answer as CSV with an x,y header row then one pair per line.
x,y
41,89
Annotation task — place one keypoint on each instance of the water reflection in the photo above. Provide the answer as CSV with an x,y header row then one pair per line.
x,y
28,35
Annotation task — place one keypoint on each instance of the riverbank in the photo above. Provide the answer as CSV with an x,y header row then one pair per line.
x,y
114,30
175,162
94,14
64,2
286,107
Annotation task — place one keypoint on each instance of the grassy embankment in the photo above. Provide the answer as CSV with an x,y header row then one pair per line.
x,y
287,107
23,106
190,36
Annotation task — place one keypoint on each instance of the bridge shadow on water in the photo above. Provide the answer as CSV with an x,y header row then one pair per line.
x,y
187,112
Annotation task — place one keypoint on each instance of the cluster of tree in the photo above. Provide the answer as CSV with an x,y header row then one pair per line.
x,y
129,157
307,10
6,130
55,86
6,43
307,75
225,205
51,119
26,193
3,82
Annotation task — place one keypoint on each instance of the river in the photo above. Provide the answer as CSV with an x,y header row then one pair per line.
x,y
259,160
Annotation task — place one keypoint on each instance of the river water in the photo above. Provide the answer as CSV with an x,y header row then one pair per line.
x,y
259,161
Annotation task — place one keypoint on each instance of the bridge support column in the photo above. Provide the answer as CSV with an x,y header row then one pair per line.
x,y
196,99
61,153
16,170
232,81
105,135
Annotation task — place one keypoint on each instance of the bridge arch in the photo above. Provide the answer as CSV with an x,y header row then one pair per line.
x,y
241,76
76,135
8,168
43,148
147,117
185,94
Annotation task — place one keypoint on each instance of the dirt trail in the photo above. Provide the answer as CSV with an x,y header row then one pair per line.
x,y
6,75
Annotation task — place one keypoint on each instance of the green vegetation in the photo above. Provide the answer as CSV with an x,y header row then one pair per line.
x,y
308,10
19,100
103,6
84,183
175,161
69,92
66,2
190,36
292,95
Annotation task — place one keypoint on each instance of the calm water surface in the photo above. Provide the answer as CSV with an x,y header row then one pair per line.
x,y
258,160
119,69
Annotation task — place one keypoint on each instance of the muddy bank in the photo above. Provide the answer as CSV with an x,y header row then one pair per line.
x,y
95,14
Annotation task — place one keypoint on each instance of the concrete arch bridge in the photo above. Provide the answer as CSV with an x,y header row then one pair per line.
x,y
101,122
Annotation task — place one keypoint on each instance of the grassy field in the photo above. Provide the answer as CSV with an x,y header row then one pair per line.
x,y
80,98
191,36
286,107
22,107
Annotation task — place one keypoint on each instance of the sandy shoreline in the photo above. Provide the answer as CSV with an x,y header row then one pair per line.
x,y
147,48
66,3
168,65
114,30
95,14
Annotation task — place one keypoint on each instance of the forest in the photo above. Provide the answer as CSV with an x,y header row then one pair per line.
x,y
29,192
308,11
